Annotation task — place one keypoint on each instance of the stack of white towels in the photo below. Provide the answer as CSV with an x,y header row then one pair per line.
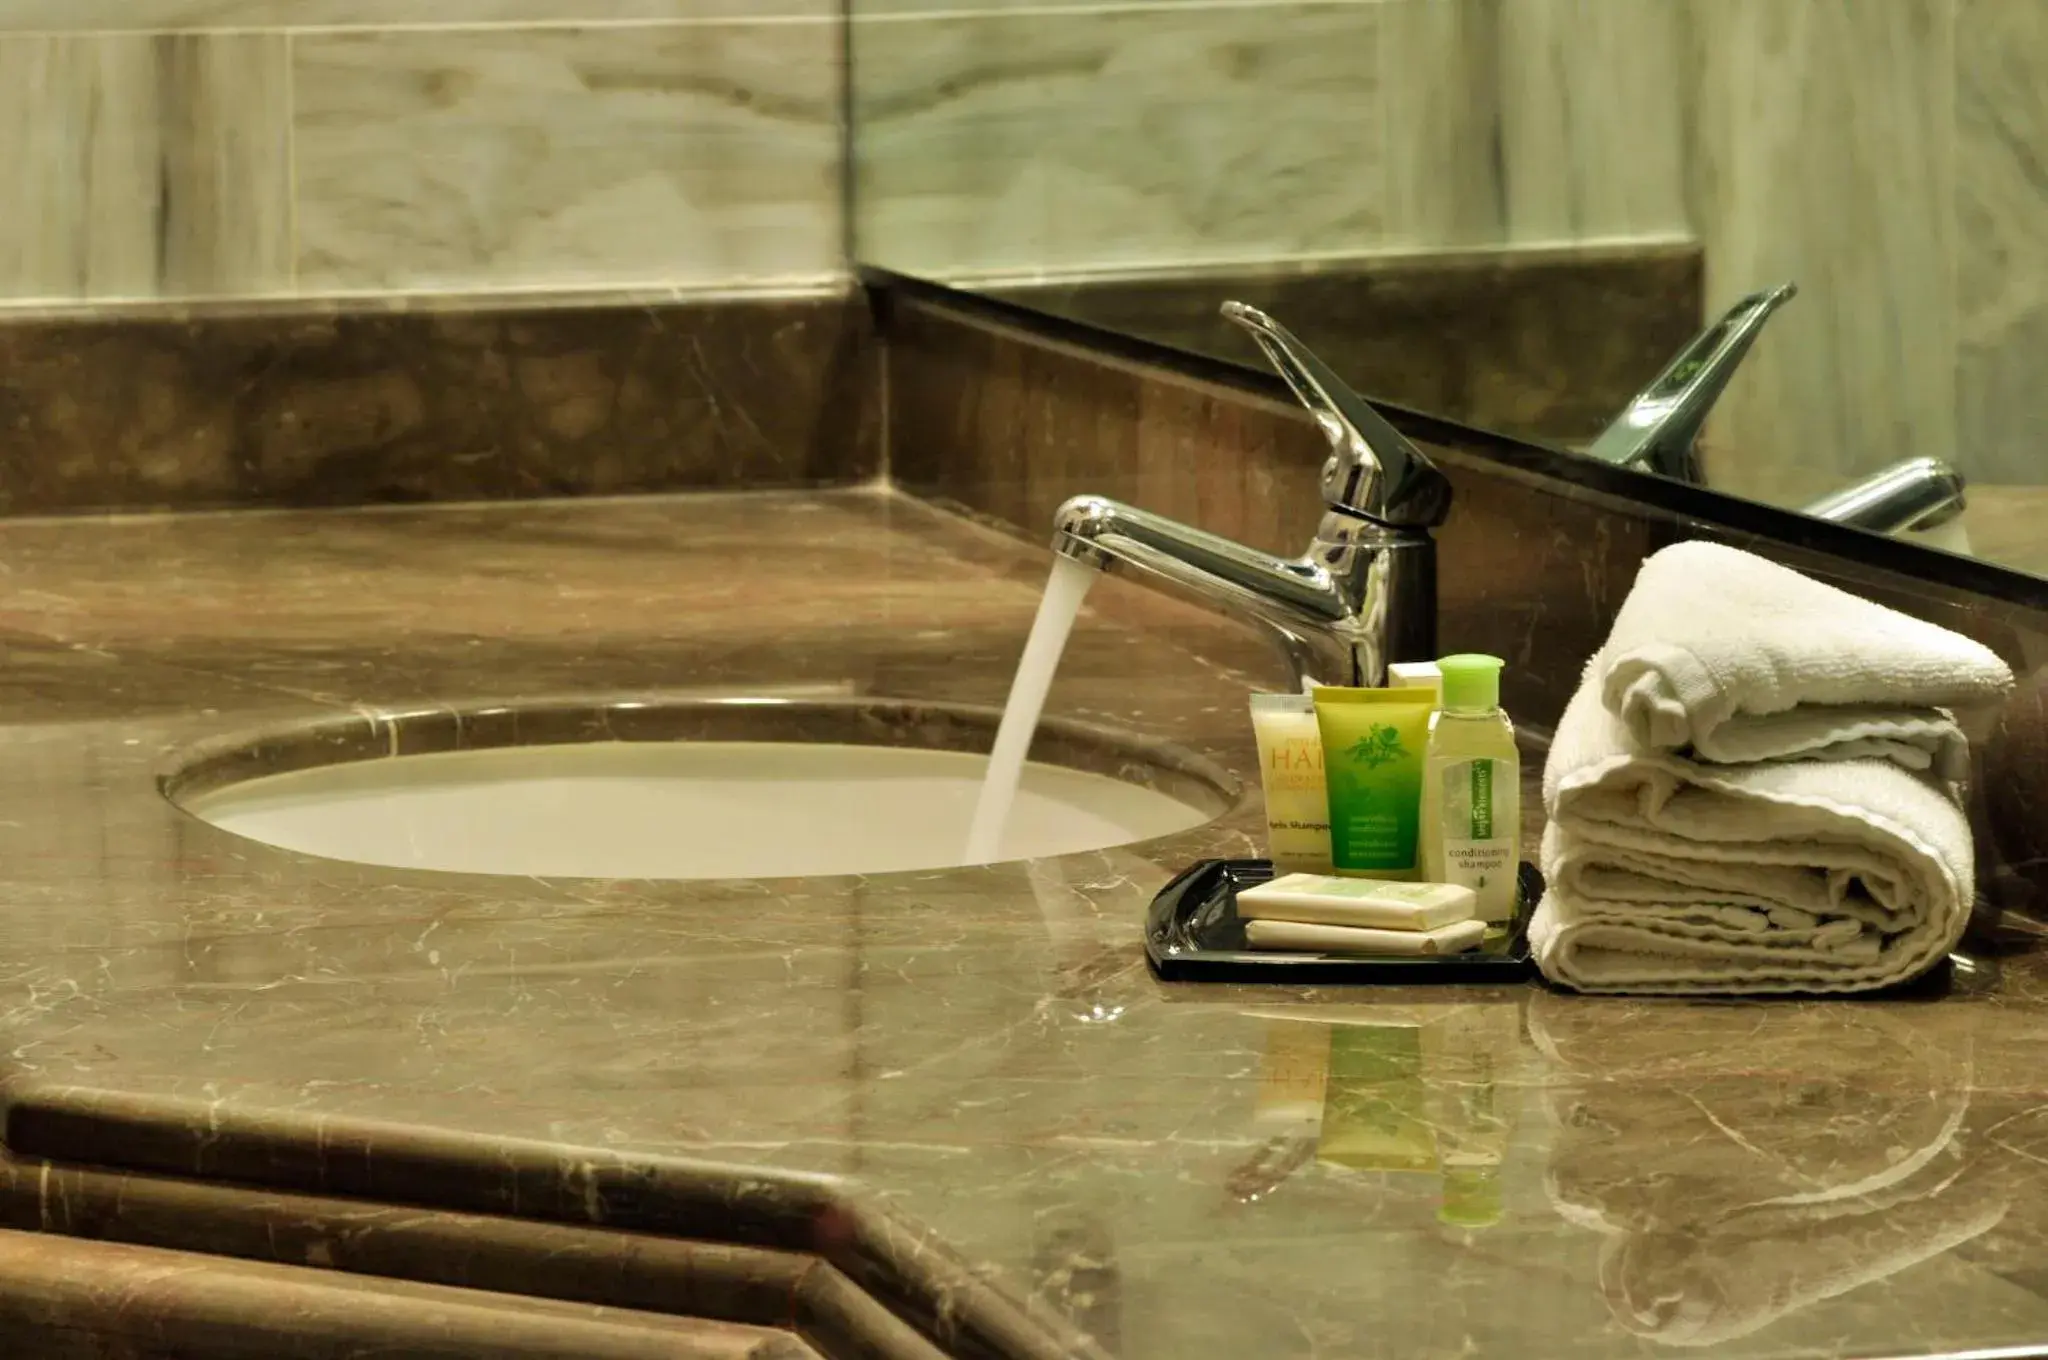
x,y
1755,789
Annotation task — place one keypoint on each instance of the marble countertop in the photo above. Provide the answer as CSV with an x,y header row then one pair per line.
x,y
1185,1170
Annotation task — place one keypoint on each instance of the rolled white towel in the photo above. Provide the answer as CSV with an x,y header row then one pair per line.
x,y
1671,876
1732,658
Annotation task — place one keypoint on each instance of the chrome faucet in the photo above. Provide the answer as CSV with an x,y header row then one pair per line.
x,y
1659,432
1910,496
1362,595
1660,429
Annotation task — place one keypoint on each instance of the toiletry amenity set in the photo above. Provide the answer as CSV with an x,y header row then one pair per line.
x,y
1417,781
1754,790
1394,826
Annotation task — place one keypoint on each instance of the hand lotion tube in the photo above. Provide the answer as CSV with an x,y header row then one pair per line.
x,y
1373,745
1291,766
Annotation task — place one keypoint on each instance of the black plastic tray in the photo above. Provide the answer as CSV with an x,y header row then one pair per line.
x,y
1193,934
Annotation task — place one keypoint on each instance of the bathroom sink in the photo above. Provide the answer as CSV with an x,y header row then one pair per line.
x,y
728,788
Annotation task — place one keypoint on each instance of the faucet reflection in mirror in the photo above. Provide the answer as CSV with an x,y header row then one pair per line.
x,y
1362,595
1659,432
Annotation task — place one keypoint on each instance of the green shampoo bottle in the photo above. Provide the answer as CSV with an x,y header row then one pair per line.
x,y
1472,789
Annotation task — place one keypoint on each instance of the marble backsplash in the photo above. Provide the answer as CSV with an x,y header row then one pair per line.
x,y
290,407
488,395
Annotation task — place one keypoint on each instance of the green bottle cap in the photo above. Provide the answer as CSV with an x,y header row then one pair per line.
x,y
1471,681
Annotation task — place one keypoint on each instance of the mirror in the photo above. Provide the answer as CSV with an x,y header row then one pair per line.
x,y
1519,213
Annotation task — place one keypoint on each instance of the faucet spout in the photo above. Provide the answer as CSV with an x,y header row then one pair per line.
x,y
1660,429
1361,596
1906,497
1364,592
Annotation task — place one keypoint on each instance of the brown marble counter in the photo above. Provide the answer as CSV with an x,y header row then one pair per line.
x,y
1183,1171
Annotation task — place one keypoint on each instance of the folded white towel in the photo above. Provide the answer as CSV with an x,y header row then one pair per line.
x,y
1668,875
1733,658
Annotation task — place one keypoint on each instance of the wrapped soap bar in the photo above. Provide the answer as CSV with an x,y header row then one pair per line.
x,y
1301,937
1360,902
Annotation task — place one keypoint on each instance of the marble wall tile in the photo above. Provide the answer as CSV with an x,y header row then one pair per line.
x,y
1002,140
144,166
867,7
676,154
2001,224
1823,154
1441,66
74,16
1591,139
1521,121
986,143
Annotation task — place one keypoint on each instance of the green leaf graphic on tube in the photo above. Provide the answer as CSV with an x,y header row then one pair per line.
x,y
1377,748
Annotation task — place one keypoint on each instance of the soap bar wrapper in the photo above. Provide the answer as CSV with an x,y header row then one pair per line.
x,y
1301,937
1365,902
1418,675
1297,796
1374,741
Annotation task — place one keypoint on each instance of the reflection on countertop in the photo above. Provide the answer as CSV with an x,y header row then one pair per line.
x,y
1185,1171
1734,1185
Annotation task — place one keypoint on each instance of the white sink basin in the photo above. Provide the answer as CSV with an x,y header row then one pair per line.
x,y
684,808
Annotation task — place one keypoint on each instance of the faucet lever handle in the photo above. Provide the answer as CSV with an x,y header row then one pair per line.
x,y
1658,430
1373,470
